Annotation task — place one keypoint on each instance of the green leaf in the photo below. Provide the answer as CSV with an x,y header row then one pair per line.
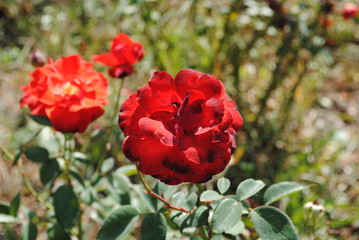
x,y
107,165
223,184
190,201
78,178
118,223
4,209
57,233
119,187
170,191
236,229
271,223
248,188
195,219
14,205
66,207
30,229
43,120
210,195
128,170
179,198
81,157
49,171
226,215
154,226
4,218
280,190
120,183
37,154
16,158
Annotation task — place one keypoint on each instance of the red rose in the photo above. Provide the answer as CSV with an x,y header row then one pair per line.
x,y
69,92
350,10
181,129
123,55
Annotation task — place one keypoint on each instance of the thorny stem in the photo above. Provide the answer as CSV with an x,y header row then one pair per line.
x,y
155,195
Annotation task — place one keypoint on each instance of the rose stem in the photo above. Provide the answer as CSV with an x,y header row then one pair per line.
x,y
202,230
155,195
108,133
117,100
68,150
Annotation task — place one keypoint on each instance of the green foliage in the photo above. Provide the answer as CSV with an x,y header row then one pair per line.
x,y
271,223
49,171
30,230
154,226
197,218
57,233
4,218
14,205
43,120
118,223
37,154
226,215
248,188
223,184
210,195
66,207
280,190
4,209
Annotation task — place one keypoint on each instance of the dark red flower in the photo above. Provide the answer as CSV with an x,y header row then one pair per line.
x,y
69,92
123,55
181,129
350,10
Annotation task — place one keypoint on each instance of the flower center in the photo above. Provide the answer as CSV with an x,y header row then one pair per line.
x,y
69,89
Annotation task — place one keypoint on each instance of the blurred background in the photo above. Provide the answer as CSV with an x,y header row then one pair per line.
x,y
291,66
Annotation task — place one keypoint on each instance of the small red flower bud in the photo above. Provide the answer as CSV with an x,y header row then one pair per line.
x,y
350,10
37,58
123,55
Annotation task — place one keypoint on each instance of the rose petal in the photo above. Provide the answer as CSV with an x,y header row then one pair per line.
x,y
63,120
107,59
155,129
213,111
161,81
187,80
155,99
120,71
130,115
69,65
191,112
120,39
149,153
